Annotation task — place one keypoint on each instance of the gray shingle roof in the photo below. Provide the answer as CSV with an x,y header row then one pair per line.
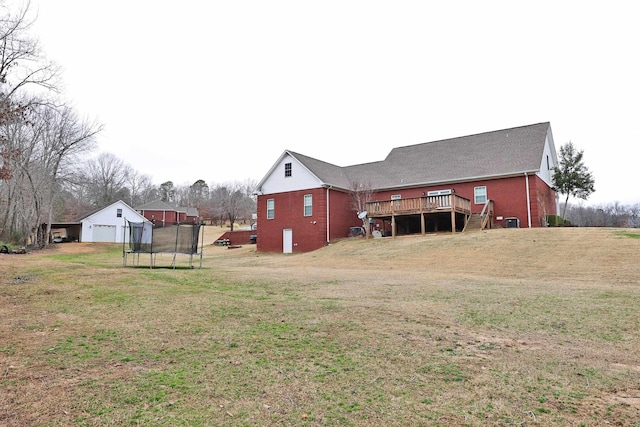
x,y
188,210
484,155
156,205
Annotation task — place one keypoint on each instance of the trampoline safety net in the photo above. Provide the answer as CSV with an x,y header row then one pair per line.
x,y
144,237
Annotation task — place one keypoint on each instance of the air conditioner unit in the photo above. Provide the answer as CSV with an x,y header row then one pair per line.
x,y
439,192
512,223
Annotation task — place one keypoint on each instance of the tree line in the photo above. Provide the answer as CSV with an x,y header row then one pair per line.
x,y
46,174
41,137
107,178
604,215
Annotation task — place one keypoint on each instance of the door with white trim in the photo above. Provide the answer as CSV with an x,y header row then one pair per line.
x,y
287,241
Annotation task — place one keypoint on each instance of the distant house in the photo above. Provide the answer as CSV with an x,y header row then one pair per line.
x,y
163,213
501,178
108,224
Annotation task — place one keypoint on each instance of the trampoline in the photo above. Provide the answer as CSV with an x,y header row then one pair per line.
x,y
174,239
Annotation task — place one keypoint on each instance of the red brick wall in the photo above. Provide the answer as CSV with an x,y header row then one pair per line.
x,y
239,237
169,217
543,201
309,233
509,196
343,216
160,217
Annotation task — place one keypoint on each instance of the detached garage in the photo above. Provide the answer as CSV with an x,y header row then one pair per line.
x,y
109,224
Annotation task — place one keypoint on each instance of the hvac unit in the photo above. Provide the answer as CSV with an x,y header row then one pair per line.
x,y
512,223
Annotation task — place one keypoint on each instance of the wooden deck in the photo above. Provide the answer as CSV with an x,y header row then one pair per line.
x,y
417,205
423,206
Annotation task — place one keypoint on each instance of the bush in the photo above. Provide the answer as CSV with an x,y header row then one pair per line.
x,y
557,221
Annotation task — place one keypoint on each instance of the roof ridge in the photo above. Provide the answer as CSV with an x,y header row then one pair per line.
x,y
470,135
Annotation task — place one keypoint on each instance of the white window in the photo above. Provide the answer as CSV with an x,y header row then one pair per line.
x,y
271,208
119,213
396,196
287,170
308,205
480,195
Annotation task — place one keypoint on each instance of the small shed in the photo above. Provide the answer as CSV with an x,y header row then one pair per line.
x,y
109,224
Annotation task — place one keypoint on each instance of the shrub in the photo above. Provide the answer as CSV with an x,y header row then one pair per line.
x,y
557,221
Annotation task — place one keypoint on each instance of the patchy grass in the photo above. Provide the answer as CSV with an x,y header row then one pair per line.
x,y
507,327
631,234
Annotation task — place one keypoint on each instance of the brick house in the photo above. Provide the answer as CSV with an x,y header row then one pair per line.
x,y
494,179
162,213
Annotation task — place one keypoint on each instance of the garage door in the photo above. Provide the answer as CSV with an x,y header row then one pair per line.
x,y
104,233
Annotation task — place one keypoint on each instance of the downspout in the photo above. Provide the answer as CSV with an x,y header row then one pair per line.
x,y
526,178
328,236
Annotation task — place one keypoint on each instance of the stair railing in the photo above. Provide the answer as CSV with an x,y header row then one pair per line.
x,y
486,213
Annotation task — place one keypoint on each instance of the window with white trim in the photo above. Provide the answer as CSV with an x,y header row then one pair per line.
x,y
119,213
480,195
271,208
287,170
308,205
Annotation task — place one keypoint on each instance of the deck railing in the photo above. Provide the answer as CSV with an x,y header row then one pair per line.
x,y
447,202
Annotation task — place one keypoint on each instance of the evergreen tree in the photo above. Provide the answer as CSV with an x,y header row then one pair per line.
x,y
572,177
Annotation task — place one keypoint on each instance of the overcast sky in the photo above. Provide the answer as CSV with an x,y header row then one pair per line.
x,y
218,90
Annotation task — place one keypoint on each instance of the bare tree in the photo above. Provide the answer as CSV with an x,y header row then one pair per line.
x,y
233,201
65,138
141,188
21,61
28,169
106,179
609,215
361,193
22,65
47,147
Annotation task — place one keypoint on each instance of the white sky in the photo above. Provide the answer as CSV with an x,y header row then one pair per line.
x,y
217,90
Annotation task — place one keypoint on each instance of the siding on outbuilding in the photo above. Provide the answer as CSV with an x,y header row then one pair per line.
x,y
109,224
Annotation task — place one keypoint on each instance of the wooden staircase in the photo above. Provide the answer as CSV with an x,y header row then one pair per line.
x,y
474,223
482,220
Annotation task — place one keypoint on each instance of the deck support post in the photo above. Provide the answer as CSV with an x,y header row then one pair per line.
x,y
422,227
453,221
393,226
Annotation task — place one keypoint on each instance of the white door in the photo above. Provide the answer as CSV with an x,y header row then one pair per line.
x,y
287,241
104,233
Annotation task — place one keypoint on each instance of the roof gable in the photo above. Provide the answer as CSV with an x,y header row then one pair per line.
x,y
304,174
128,212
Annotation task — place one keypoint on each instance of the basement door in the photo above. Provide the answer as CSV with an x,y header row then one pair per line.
x,y
287,241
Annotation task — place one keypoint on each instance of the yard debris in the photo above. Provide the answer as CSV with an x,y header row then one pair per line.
x,y
4,249
24,279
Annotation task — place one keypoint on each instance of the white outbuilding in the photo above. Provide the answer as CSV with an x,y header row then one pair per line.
x,y
109,224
